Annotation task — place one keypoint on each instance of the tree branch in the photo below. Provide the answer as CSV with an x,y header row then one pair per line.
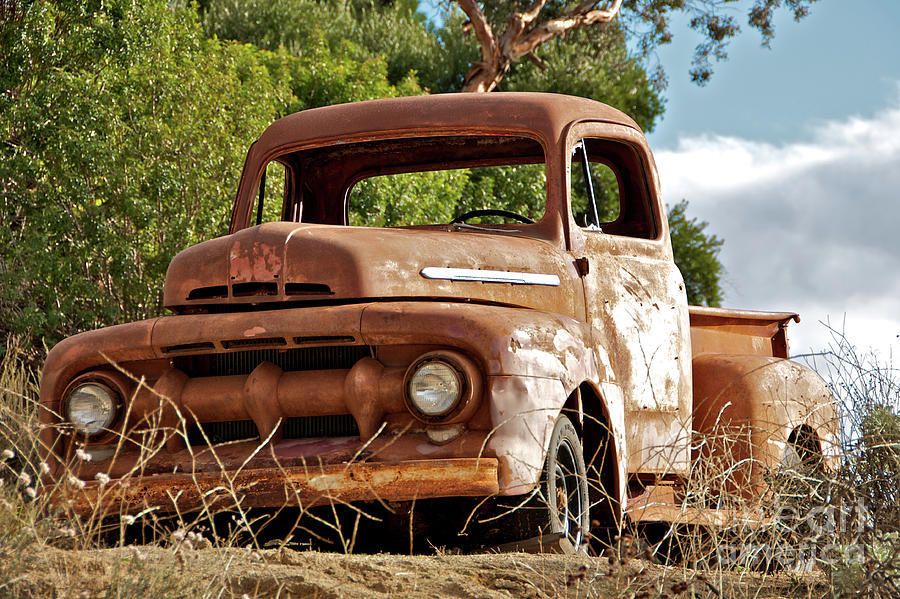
x,y
520,39
483,32
533,11
557,27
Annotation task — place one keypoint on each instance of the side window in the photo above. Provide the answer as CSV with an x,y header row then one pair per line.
x,y
273,187
608,189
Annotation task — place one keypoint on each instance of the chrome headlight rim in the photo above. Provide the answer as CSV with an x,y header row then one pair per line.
x,y
434,365
107,385
469,379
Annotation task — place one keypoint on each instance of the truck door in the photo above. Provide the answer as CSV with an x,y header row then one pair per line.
x,y
635,300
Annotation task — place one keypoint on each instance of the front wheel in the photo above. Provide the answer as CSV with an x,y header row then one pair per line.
x,y
564,485
560,504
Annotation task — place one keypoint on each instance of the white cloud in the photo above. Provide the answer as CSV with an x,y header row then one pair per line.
x,y
811,226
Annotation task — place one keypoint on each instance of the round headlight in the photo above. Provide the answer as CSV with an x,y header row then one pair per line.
x,y
435,388
91,408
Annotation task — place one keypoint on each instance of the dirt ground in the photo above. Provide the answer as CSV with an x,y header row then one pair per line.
x,y
184,571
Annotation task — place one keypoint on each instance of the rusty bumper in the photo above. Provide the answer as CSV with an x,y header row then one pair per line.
x,y
303,486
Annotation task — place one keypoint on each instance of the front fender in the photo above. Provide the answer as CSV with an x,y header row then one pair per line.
x,y
510,341
533,360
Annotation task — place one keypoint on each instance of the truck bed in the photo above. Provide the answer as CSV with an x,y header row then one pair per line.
x,y
746,332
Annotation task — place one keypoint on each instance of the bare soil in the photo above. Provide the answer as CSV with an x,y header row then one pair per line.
x,y
182,571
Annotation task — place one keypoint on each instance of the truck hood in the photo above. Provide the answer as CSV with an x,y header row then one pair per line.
x,y
291,262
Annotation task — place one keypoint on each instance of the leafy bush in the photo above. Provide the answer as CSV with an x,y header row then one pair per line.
x,y
697,256
123,152
124,129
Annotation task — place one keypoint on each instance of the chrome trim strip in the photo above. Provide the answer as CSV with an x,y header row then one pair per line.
x,y
489,276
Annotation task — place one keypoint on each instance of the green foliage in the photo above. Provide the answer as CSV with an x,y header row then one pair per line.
x,y
409,198
520,189
124,126
323,75
123,150
697,256
314,44
606,193
439,196
394,33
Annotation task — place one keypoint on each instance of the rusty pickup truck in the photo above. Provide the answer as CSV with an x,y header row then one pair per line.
x,y
462,295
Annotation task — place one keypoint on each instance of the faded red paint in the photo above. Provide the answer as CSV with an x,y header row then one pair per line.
x,y
613,340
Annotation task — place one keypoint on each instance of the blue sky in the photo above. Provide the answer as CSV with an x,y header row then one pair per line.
x,y
835,63
792,155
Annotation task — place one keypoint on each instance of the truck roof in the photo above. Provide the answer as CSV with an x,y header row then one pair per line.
x,y
528,112
541,116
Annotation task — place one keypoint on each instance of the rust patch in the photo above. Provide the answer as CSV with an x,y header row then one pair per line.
x,y
307,486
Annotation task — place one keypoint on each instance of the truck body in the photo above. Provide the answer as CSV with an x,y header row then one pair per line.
x,y
310,356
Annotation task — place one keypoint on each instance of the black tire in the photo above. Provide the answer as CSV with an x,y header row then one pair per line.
x,y
566,485
560,505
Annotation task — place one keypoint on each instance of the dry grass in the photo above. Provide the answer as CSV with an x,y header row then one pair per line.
x,y
46,551
867,388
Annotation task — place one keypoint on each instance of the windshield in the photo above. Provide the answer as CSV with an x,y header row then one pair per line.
x,y
407,182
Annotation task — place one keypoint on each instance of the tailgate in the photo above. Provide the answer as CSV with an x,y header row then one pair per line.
x,y
721,331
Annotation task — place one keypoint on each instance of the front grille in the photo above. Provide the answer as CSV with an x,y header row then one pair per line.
x,y
294,359
222,432
304,427
320,426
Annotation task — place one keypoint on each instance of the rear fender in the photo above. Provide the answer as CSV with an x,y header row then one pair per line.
x,y
747,406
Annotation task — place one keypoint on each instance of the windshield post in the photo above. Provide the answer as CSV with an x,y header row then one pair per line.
x,y
262,195
585,167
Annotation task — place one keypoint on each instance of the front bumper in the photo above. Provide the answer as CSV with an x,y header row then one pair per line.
x,y
304,486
